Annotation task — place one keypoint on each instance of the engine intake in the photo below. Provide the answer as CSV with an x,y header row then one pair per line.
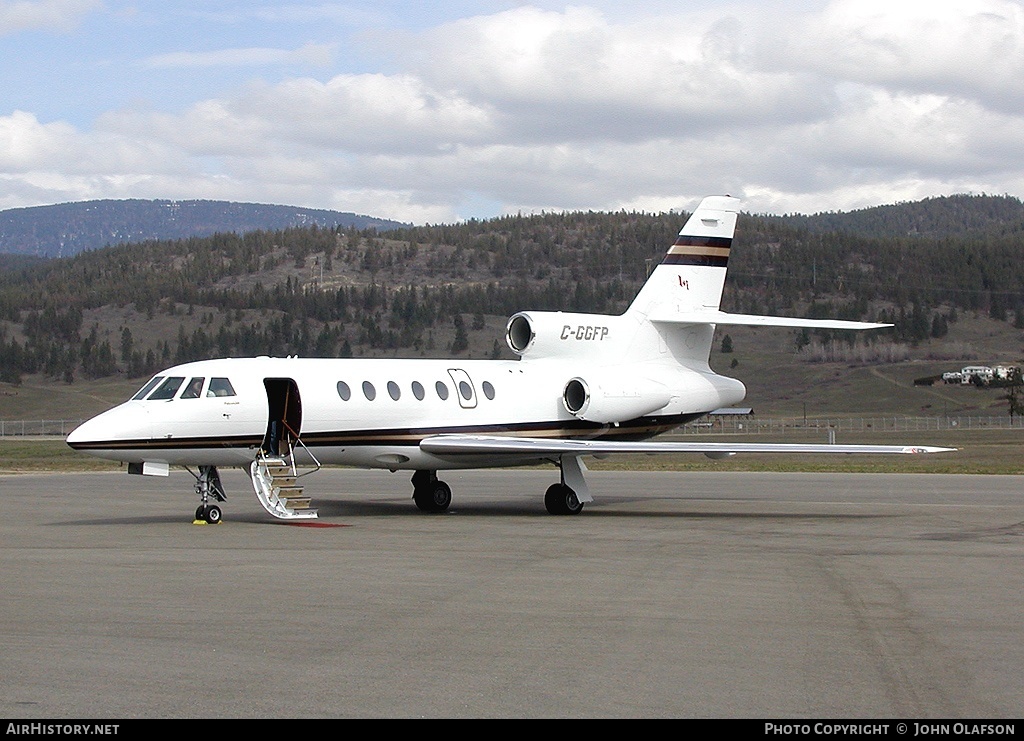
x,y
611,398
551,334
519,333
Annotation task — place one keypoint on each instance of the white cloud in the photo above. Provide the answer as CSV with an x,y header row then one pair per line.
x,y
25,143
822,108
309,54
962,48
575,76
50,15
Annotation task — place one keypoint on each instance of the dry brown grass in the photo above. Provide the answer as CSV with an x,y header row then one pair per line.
x,y
978,452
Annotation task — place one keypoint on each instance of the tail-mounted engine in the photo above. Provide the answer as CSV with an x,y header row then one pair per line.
x,y
555,334
609,398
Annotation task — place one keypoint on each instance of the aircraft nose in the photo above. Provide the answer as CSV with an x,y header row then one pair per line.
x,y
125,422
84,433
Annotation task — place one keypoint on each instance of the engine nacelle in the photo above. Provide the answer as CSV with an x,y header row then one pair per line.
x,y
610,398
552,334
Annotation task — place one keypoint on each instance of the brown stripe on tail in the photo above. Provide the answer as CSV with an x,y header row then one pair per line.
x,y
709,251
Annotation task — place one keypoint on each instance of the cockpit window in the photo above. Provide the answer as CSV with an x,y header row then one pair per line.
x,y
194,389
220,387
167,389
147,388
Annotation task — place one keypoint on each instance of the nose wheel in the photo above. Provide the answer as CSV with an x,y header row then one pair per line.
x,y
208,485
209,513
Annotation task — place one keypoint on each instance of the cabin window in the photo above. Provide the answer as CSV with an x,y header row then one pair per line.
x,y
417,390
167,389
220,387
488,390
369,391
442,390
147,388
344,391
466,390
194,389
393,391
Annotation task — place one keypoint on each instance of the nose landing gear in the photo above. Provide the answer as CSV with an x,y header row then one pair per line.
x,y
207,513
208,484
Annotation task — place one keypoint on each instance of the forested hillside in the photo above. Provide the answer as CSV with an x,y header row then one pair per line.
x,y
950,216
431,291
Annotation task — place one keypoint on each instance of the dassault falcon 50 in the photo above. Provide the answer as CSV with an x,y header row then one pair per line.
x,y
583,385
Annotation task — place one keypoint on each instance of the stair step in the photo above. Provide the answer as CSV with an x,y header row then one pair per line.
x,y
275,482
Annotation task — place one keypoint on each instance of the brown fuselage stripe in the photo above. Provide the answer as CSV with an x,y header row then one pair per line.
x,y
640,429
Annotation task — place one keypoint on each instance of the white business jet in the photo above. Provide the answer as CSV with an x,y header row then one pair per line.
x,y
584,384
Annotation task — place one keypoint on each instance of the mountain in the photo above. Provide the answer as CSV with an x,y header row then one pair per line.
x,y
942,217
66,229
434,291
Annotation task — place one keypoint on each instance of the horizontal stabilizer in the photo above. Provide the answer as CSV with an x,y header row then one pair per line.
x,y
495,444
757,320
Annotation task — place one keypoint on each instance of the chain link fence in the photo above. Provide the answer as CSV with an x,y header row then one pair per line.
x,y
752,425
38,427
717,425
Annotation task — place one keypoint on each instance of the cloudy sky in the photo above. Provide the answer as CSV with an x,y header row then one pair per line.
x,y
436,112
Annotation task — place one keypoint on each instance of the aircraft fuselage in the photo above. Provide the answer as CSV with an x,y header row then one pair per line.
x,y
370,413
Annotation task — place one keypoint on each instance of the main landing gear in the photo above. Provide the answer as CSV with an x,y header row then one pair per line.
x,y
429,492
567,497
207,485
559,499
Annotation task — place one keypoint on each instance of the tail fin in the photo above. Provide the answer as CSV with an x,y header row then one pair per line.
x,y
692,275
686,288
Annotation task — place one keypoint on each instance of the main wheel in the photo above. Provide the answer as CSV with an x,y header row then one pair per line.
x,y
434,497
561,500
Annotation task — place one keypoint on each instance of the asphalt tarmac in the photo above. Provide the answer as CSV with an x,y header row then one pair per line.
x,y
673,595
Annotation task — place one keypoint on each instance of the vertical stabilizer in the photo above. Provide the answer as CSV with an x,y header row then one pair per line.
x,y
692,275
688,281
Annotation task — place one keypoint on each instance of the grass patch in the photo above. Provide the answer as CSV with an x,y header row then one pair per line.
x,y
31,454
979,452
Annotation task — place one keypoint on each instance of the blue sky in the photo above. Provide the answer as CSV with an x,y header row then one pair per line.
x,y
436,112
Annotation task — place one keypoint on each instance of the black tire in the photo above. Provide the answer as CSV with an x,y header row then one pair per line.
x,y
213,514
200,512
441,496
423,498
435,497
559,499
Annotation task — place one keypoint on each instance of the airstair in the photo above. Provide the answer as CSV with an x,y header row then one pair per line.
x,y
275,480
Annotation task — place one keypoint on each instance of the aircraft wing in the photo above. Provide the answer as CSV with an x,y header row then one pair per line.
x,y
757,320
496,444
